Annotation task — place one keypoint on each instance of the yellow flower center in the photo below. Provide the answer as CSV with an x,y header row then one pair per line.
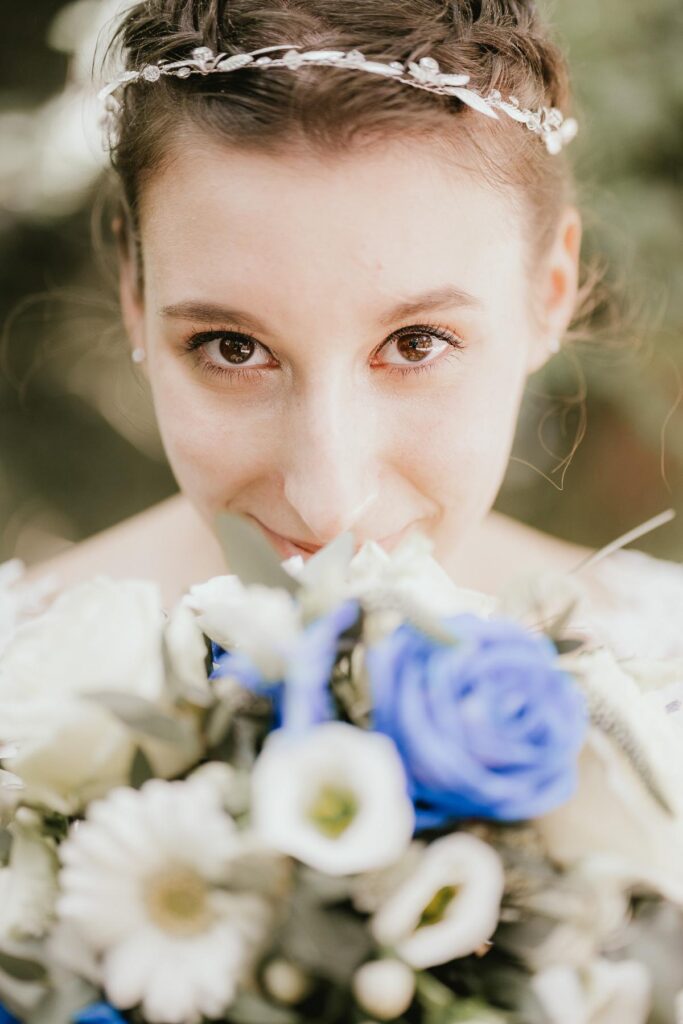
x,y
333,810
437,906
177,901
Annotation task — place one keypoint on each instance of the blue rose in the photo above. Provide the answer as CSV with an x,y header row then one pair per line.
x,y
488,727
98,1013
303,697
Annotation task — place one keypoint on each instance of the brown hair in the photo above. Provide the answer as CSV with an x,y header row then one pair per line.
x,y
501,44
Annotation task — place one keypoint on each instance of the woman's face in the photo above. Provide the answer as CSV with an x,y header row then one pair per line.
x,y
339,345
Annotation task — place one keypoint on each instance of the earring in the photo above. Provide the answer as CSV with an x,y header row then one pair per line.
x,y
554,345
138,355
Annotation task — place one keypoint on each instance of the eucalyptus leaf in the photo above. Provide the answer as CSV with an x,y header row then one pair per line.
x,y
252,1009
21,968
323,941
60,1004
141,769
6,840
249,555
332,559
142,716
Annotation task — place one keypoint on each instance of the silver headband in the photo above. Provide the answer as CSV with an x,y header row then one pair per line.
x,y
548,122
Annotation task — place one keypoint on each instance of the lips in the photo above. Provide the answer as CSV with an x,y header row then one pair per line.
x,y
288,546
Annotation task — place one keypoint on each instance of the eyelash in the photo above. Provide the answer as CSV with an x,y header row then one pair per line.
x,y
196,342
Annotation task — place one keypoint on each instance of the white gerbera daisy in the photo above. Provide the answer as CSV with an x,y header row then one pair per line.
x,y
145,886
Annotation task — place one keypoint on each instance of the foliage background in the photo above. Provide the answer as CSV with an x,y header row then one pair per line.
x,y
78,446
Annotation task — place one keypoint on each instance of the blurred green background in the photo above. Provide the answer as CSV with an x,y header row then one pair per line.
x,y
78,446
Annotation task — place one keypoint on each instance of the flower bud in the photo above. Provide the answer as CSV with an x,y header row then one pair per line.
x,y
286,982
384,988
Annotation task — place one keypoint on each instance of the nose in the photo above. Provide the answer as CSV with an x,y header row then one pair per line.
x,y
331,464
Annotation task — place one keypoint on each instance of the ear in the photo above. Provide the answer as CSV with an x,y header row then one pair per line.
x,y
558,287
130,294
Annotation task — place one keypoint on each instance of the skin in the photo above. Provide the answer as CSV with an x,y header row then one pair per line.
x,y
334,427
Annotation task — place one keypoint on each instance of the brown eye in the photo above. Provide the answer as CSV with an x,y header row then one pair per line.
x,y
236,350
415,347
419,345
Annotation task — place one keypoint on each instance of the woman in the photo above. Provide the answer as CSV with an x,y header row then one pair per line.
x,y
338,285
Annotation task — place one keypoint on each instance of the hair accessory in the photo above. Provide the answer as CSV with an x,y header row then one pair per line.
x,y
548,122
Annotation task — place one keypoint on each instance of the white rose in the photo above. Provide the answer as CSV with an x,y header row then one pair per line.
x,y
613,813
457,886
263,623
602,993
97,636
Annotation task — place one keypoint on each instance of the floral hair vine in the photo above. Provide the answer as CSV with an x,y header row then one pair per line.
x,y
549,122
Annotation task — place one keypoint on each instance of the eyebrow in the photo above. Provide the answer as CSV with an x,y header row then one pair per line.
x,y
447,297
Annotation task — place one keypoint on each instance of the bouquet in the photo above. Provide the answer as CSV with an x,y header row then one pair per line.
x,y
341,791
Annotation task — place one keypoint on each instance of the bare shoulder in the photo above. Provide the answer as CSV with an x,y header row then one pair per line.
x,y
168,543
506,547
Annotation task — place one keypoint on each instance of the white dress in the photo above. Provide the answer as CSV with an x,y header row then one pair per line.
x,y
635,605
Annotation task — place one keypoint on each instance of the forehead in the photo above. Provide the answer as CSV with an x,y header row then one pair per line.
x,y
391,218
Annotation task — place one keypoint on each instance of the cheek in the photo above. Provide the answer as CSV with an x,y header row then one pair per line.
x,y
457,438
211,440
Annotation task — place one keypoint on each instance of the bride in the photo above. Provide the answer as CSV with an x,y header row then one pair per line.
x,y
338,285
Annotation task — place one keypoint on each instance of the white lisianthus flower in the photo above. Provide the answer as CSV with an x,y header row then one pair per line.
x,y
98,636
263,623
605,992
614,812
146,886
448,907
335,798
28,886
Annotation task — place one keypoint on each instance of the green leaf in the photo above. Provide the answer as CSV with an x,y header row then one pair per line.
x,y
6,840
20,968
60,1004
142,716
325,942
252,1009
249,555
140,770
332,559
442,1006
